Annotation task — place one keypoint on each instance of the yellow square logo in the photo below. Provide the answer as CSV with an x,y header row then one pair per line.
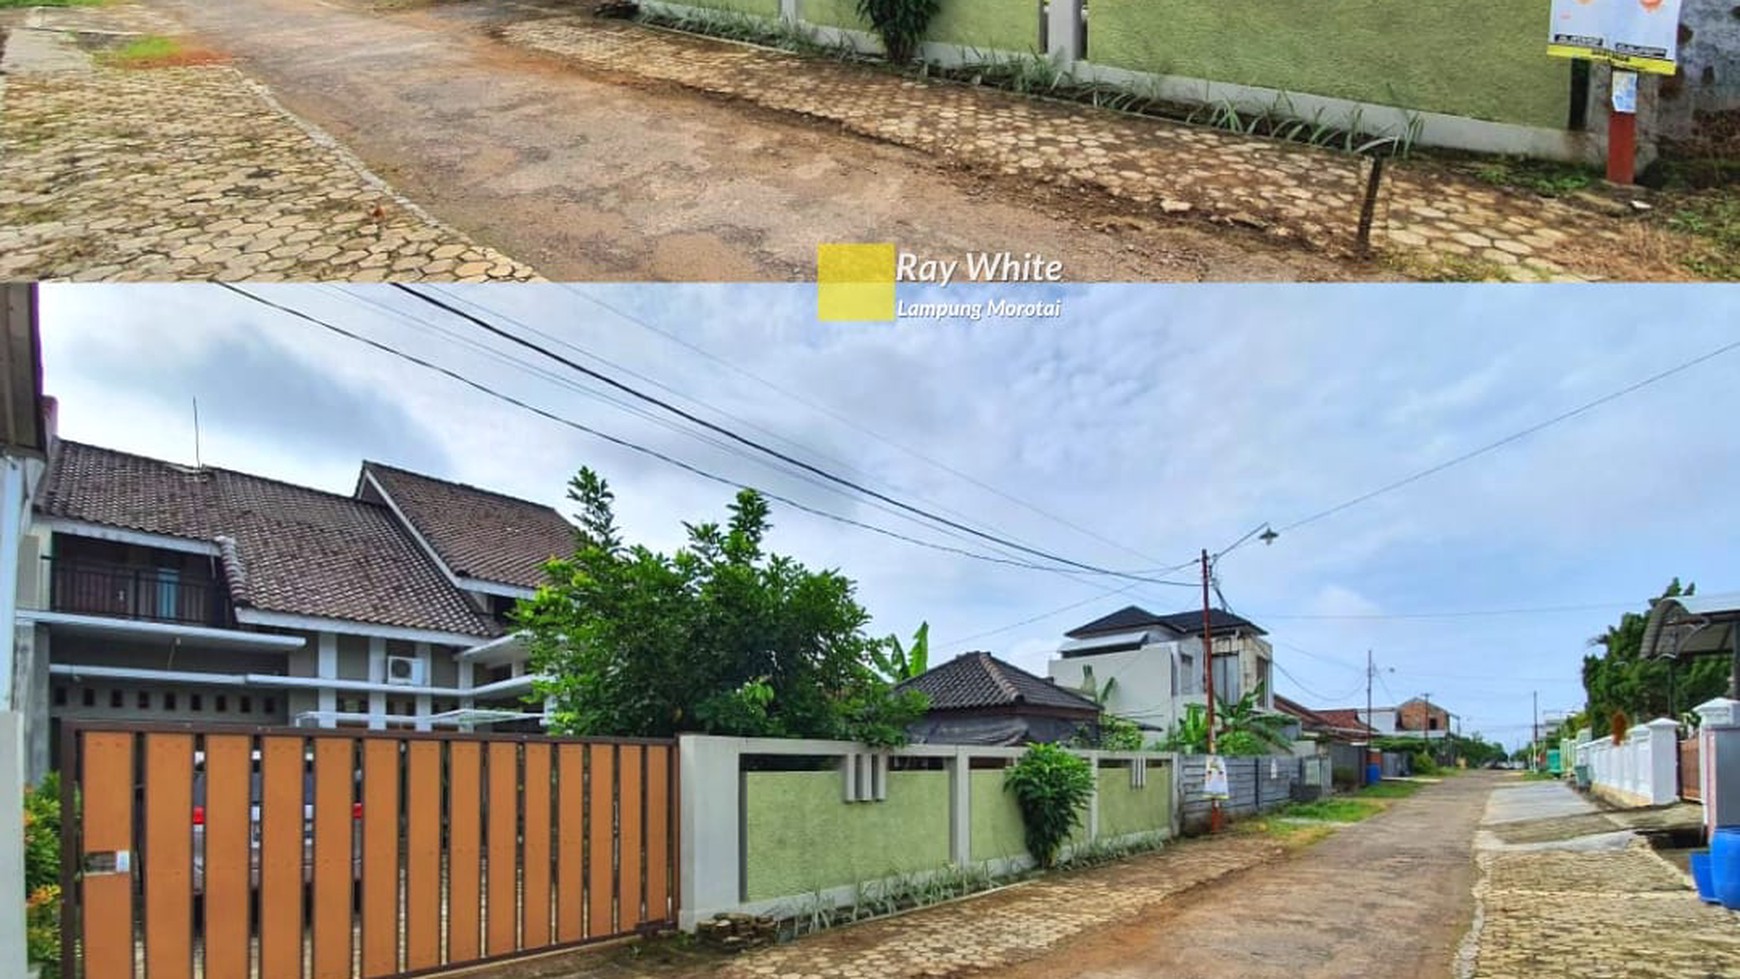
x,y
855,283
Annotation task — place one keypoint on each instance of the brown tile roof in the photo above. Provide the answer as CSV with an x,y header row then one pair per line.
x,y
477,533
286,548
975,680
1346,719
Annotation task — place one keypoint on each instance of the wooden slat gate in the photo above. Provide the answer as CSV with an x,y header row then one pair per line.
x,y
285,853
1690,784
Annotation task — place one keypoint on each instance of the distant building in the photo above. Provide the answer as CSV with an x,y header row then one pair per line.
x,y
977,698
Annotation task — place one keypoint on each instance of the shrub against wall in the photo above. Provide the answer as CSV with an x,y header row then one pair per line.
x,y
42,873
1052,787
1480,58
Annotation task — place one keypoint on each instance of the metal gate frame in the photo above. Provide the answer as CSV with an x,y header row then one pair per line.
x,y
128,789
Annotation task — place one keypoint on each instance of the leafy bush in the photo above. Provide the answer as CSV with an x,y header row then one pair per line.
x,y
900,23
1052,787
42,871
1425,764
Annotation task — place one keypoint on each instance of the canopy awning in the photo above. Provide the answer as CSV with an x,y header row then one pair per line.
x,y
1692,625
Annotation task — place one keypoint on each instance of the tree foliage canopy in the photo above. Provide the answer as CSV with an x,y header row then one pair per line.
x,y
1241,727
719,637
1618,681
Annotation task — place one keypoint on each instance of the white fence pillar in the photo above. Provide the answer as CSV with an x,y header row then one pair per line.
x,y
709,833
1063,31
1662,761
961,808
789,12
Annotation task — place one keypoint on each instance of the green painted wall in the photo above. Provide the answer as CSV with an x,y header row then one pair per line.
x,y
1480,58
990,25
800,837
1125,810
755,8
996,819
832,13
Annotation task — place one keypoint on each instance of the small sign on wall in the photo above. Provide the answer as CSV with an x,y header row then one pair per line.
x,y
1640,35
1214,783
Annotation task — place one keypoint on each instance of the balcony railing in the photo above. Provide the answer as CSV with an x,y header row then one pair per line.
x,y
132,592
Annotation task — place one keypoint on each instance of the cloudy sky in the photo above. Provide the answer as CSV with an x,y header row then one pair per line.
x,y
1143,425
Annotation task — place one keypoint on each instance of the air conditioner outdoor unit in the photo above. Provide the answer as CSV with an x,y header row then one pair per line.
x,y
407,670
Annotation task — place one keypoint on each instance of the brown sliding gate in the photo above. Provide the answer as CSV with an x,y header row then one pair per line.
x,y
289,853
1690,772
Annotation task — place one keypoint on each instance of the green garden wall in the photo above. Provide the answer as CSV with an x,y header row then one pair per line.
x,y
754,8
1001,25
996,819
1485,59
1125,810
800,837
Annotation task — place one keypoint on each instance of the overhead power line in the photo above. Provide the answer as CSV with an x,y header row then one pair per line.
x,y
768,450
1461,613
1524,433
861,429
627,444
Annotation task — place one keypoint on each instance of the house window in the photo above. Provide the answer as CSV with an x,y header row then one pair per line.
x,y
195,702
247,705
144,700
169,701
269,705
60,696
90,697
116,698
221,703
1433,723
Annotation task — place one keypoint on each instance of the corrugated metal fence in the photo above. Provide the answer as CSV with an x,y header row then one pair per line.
x,y
1254,785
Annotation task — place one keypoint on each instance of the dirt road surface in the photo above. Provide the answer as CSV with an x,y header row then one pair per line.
x,y
1391,896
586,177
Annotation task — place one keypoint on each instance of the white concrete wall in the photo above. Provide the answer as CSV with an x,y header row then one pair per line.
x,y
11,843
1642,770
1144,691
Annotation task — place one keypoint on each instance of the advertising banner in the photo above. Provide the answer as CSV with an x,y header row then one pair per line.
x,y
1640,35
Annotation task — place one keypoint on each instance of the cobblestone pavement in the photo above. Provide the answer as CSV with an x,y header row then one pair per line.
x,y
1430,220
1568,891
191,172
1006,927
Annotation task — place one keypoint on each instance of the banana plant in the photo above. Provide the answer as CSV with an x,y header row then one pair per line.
x,y
897,662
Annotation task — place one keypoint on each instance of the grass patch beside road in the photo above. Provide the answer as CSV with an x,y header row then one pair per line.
x,y
1333,810
156,51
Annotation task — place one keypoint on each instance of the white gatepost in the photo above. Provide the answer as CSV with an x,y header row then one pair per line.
x,y
789,12
961,808
11,844
1662,744
709,841
1063,31
1719,762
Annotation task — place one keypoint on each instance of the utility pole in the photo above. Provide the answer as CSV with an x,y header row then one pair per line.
x,y
1371,750
1214,813
1426,723
1535,746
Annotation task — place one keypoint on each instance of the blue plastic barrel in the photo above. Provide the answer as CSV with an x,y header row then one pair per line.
x,y
1700,861
1725,866
1374,773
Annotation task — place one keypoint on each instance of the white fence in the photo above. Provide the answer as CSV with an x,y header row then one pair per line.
x,y
1641,770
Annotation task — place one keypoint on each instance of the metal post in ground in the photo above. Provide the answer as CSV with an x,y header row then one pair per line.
x,y
1214,812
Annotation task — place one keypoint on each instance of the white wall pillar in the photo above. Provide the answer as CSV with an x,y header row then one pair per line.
x,y
789,11
425,706
377,674
1663,745
326,667
12,518
710,836
1063,30
960,808
12,842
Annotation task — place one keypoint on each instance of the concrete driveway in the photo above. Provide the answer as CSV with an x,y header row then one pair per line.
x,y
589,177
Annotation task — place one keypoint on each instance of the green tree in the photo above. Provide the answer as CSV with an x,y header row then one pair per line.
x,y
1241,728
897,662
1619,679
719,637
1052,788
1110,732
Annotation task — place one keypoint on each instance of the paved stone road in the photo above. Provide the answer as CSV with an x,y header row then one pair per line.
x,y
996,931
1432,218
190,172
1568,891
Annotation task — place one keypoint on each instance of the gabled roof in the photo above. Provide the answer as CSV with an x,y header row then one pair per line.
x,y
979,680
285,548
1309,717
475,533
1133,617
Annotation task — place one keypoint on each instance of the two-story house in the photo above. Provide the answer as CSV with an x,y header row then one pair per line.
x,y
153,591
1156,662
